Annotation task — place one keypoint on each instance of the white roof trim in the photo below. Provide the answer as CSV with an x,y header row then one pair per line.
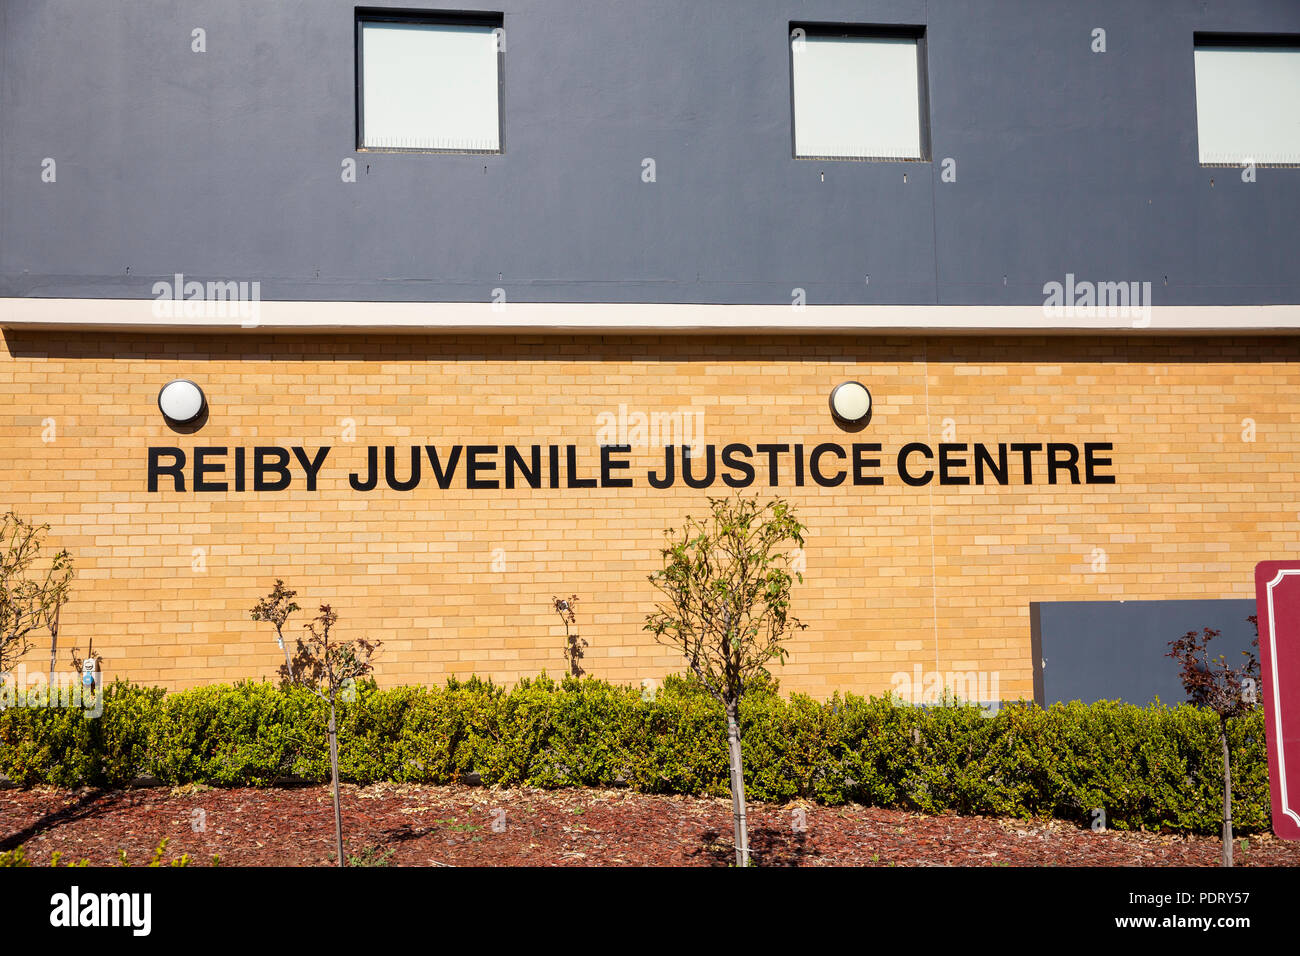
x,y
533,317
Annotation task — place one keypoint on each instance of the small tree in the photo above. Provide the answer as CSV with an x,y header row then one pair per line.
x,y
342,664
330,670
1228,691
726,582
567,608
275,609
32,591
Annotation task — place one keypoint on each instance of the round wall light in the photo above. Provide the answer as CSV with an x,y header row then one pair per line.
x,y
181,401
851,403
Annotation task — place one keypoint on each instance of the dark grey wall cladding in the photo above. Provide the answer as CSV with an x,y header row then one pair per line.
x,y
226,164
1115,650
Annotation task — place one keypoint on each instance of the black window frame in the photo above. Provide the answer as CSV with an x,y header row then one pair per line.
x,y
1215,40
472,18
915,32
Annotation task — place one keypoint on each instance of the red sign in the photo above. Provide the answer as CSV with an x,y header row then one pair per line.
x,y
1277,602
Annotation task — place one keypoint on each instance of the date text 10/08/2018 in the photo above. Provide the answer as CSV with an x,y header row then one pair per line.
x,y
264,468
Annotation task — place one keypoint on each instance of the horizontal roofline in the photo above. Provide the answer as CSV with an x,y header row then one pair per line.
x,y
142,315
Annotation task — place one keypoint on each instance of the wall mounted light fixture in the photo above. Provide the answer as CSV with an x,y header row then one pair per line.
x,y
850,403
181,401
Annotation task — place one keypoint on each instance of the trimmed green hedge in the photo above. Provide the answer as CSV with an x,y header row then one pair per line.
x,y
1147,767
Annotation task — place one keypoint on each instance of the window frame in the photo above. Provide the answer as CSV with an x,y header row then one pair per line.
x,y
1223,41
469,18
889,31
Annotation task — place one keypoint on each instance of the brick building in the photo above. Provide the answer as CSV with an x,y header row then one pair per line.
x,y
1058,252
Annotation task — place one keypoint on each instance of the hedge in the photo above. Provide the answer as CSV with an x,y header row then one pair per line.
x,y
1153,767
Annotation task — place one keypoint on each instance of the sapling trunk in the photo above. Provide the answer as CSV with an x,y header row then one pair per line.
x,y
1227,794
54,646
739,826
334,775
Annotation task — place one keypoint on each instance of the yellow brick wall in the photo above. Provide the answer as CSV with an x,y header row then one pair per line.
x,y
460,582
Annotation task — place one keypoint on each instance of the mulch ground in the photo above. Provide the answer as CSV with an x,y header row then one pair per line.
x,y
403,825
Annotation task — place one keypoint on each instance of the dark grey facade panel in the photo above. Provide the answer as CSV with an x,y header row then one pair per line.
x,y
227,164
1115,650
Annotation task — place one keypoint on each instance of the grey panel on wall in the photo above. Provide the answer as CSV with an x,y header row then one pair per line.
x,y
1115,650
226,164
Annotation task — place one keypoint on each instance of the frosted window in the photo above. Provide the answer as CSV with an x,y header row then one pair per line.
x,y
857,97
429,86
1248,104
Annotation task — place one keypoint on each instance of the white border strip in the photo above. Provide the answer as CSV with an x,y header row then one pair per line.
x,y
534,317
1277,696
